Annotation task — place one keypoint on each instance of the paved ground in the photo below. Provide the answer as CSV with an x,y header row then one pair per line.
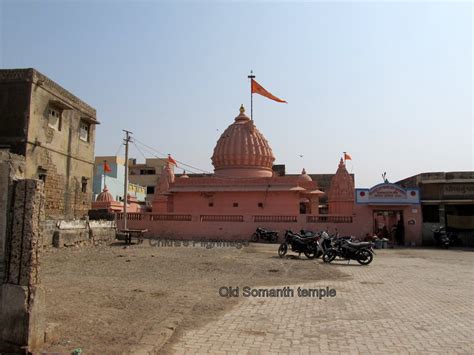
x,y
407,302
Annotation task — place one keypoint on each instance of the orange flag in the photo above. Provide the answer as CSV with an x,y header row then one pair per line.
x,y
171,160
107,168
347,156
258,89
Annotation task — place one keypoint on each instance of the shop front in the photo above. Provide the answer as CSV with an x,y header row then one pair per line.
x,y
394,213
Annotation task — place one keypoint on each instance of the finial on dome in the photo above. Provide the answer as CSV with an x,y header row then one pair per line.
x,y
303,172
105,188
341,163
242,108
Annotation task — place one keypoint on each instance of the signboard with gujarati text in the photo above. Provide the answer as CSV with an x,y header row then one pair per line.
x,y
388,194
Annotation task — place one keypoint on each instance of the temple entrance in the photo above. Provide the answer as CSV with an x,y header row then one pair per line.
x,y
389,224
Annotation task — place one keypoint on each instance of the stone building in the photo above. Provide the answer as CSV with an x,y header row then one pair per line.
x,y
55,132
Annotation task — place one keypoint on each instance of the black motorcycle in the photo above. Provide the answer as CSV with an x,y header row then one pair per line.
x,y
308,234
299,244
261,234
343,248
445,239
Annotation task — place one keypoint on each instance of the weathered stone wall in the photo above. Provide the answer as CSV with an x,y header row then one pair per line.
x,y
14,113
83,232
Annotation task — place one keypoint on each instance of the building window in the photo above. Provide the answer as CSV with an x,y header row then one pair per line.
x,y
147,172
84,184
84,131
211,204
150,190
260,204
42,174
235,204
54,118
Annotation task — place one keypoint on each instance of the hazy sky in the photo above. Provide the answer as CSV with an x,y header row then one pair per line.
x,y
389,82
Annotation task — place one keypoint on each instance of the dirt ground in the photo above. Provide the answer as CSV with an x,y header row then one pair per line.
x,y
106,298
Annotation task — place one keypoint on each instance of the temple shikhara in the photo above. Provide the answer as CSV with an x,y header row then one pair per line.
x,y
245,192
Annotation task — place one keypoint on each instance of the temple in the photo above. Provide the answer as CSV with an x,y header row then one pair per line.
x,y
244,192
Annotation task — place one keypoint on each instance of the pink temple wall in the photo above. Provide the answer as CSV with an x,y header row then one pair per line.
x,y
275,202
193,226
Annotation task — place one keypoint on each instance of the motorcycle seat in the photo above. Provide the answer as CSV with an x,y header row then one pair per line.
x,y
359,244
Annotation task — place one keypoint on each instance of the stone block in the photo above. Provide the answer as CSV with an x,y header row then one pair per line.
x,y
65,238
22,316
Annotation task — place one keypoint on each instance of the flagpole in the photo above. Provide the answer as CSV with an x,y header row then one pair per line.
x,y
251,77
103,168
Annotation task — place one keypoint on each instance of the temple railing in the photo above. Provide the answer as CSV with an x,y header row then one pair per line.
x,y
221,218
131,216
171,217
328,219
275,219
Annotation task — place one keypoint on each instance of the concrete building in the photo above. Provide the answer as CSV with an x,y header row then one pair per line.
x,y
447,199
55,132
114,179
147,174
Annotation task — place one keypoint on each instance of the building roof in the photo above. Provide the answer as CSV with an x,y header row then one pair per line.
x,y
34,76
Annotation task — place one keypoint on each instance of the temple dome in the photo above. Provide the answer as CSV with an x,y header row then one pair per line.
x,y
105,196
242,151
304,176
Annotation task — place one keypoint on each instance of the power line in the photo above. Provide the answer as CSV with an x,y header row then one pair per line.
x,y
196,170
178,161
164,160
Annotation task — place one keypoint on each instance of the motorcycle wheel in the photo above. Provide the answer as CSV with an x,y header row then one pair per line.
x,y
282,250
254,237
310,254
364,257
273,239
329,255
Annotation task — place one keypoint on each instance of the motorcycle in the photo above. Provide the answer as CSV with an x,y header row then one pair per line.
x,y
445,239
261,234
344,248
299,244
307,234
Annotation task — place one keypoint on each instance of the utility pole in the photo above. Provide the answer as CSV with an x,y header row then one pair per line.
x,y
125,186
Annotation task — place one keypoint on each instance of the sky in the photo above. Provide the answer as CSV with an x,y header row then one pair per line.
x,y
389,82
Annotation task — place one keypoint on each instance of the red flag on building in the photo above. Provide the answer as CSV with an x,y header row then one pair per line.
x,y
258,89
347,156
107,168
171,160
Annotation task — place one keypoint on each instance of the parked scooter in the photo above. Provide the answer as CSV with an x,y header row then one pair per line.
x,y
298,244
343,248
261,234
